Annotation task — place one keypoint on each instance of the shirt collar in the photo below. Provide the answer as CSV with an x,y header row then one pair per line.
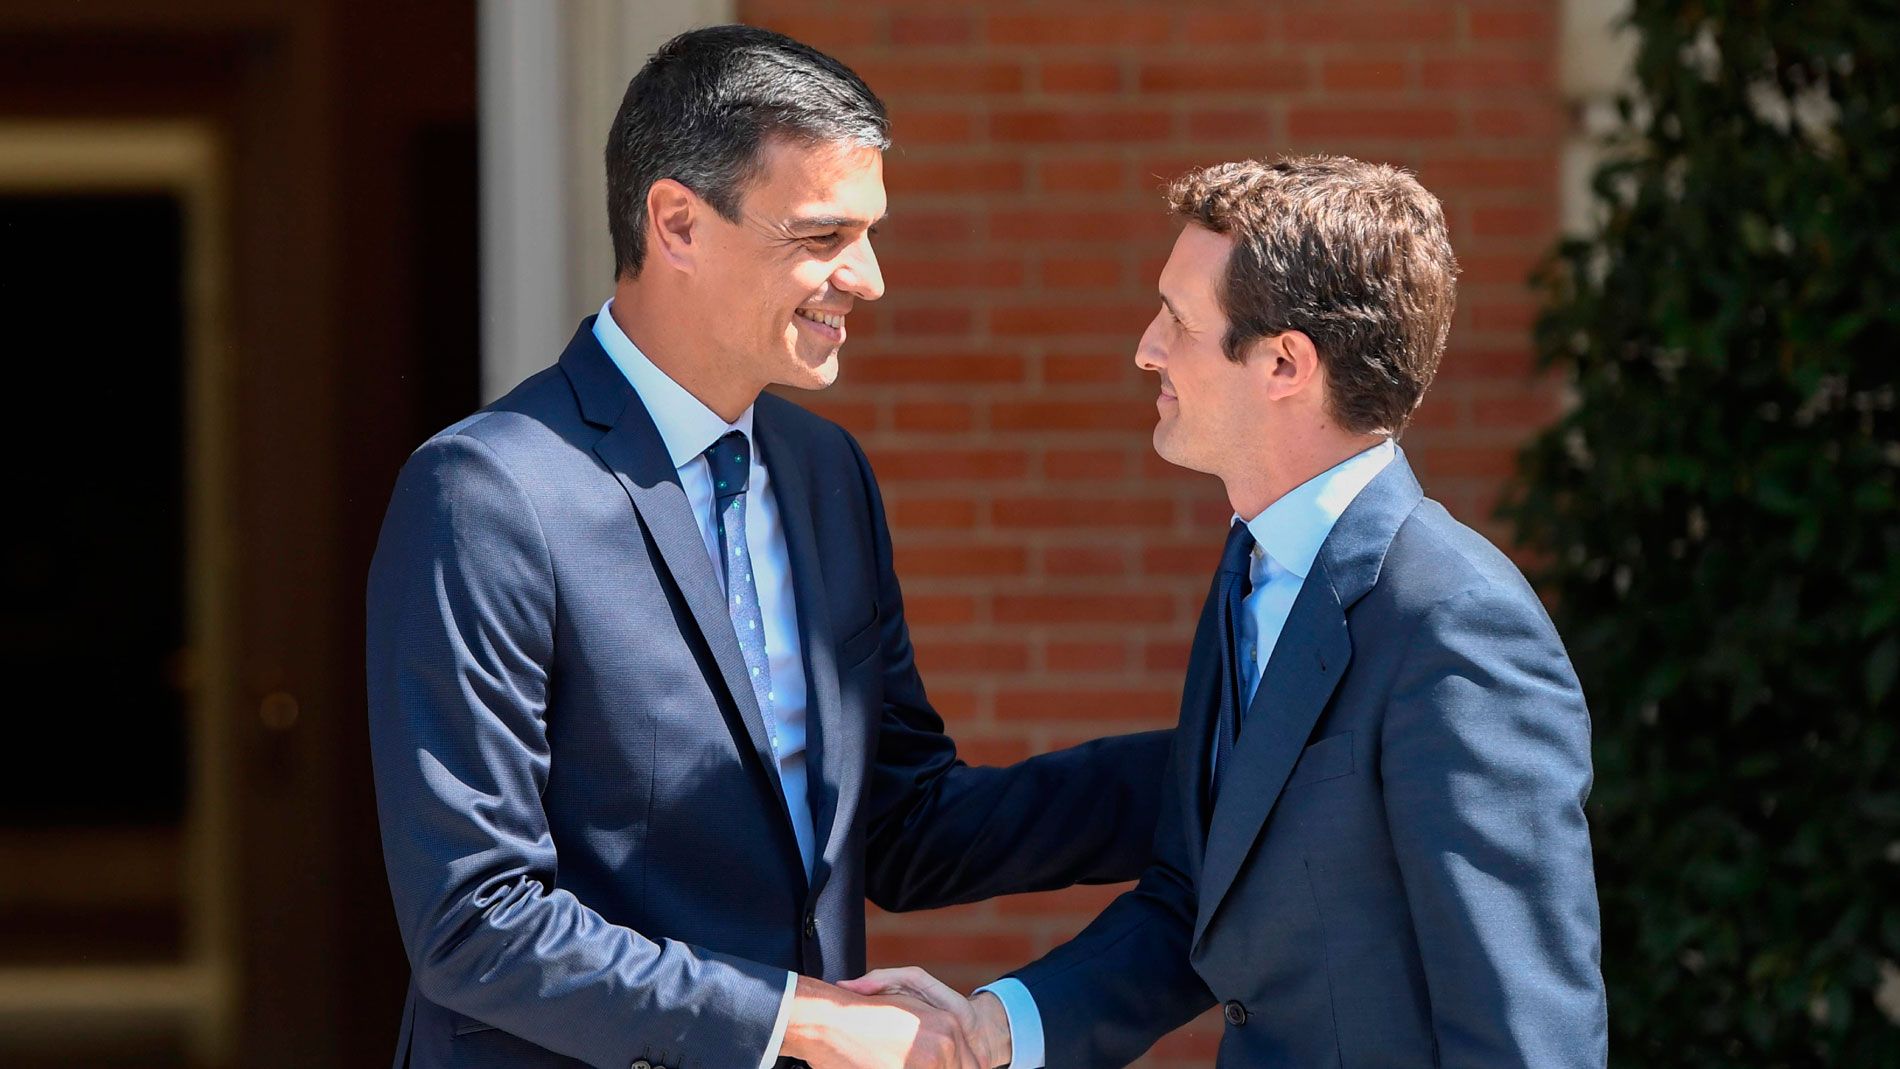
x,y
1292,529
685,424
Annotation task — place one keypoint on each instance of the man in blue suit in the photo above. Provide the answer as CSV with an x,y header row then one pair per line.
x,y
647,731
1372,850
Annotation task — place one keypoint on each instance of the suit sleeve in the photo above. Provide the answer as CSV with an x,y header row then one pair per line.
x,y
461,611
1485,761
941,832
1125,981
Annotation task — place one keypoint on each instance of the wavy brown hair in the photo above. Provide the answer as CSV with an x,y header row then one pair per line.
x,y
1354,255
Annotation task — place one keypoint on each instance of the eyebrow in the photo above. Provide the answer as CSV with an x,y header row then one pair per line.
x,y
832,222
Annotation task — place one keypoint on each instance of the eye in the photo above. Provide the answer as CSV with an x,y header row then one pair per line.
x,y
822,241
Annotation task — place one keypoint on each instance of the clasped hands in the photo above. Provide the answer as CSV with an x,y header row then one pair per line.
x,y
894,1019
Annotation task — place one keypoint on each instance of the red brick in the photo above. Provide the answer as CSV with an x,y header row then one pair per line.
x,y
1472,73
891,948
932,29
1271,74
1231,124
1354,75
1082,76
1119,227
931,321
1084,608
1088,175
1514,220
947,367
1081,272
859,416
1478,269
1491,172
1180,558
1076,703
939,610
1078,368
935,226
918,465
1325,121
892,78
927,416
1087,657
1486,462
1169,657
1085,561
1061,127
1513,24
1065,319
1129,416
1535,119
1055,513
1503,315
907,176
959,559
953,272
1066,464
1327,24
1527,411
931,513
1081,902
1086,26
1226,28
821,32
914,127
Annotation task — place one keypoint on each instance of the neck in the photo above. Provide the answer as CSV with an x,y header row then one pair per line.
x,y
1277,469
653,323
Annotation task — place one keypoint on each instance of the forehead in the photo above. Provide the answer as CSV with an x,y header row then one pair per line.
x,y
1194,268
810,181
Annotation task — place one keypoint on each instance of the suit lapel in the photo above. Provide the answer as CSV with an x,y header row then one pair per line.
x,y
1309,660
832,740
1306,665
633,450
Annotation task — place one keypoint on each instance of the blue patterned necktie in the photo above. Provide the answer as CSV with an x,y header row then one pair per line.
x,y
1232,592
731,461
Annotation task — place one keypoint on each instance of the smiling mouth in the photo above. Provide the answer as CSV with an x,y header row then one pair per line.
x,y
835,322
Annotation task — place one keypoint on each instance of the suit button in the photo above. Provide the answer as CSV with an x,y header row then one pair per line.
x,y
1235,1013
811,925
641,1064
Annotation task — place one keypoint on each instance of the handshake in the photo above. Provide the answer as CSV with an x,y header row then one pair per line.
x,y
895,1019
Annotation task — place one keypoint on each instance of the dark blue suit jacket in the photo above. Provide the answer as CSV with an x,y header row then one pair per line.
x,y
586,841
1397,871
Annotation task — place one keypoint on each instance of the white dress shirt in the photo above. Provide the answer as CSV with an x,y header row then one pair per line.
x,y
1287,539
688,428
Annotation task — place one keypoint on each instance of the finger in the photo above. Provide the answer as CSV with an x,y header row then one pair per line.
x,y
884,981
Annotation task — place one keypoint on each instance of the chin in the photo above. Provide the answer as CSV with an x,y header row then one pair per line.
x,y
805,376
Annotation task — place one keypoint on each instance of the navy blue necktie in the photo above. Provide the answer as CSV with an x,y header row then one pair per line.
x,y
731,461
1235,582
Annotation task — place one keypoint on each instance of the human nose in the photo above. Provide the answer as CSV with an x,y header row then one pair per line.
x,y
1148,352
858,274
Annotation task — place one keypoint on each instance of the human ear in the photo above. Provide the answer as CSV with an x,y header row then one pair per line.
x,y
1293,362
672,216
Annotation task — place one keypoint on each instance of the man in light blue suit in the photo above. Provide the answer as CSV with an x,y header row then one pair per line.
x,y
646,726
1372,850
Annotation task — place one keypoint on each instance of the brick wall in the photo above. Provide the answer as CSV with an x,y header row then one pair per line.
x,y
1053,565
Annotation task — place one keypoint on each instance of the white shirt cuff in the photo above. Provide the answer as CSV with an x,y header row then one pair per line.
x,y
784,1018
1025,1022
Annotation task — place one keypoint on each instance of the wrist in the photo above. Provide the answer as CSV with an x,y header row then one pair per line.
x,y
807,1026
991,1041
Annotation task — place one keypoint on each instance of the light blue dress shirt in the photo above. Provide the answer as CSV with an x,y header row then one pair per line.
x,y
688,428
1287,538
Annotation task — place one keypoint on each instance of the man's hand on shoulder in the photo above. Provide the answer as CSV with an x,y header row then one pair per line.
x,y
840,1028
984,1024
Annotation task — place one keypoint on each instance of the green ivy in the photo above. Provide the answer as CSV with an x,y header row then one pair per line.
x,y
1719,524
